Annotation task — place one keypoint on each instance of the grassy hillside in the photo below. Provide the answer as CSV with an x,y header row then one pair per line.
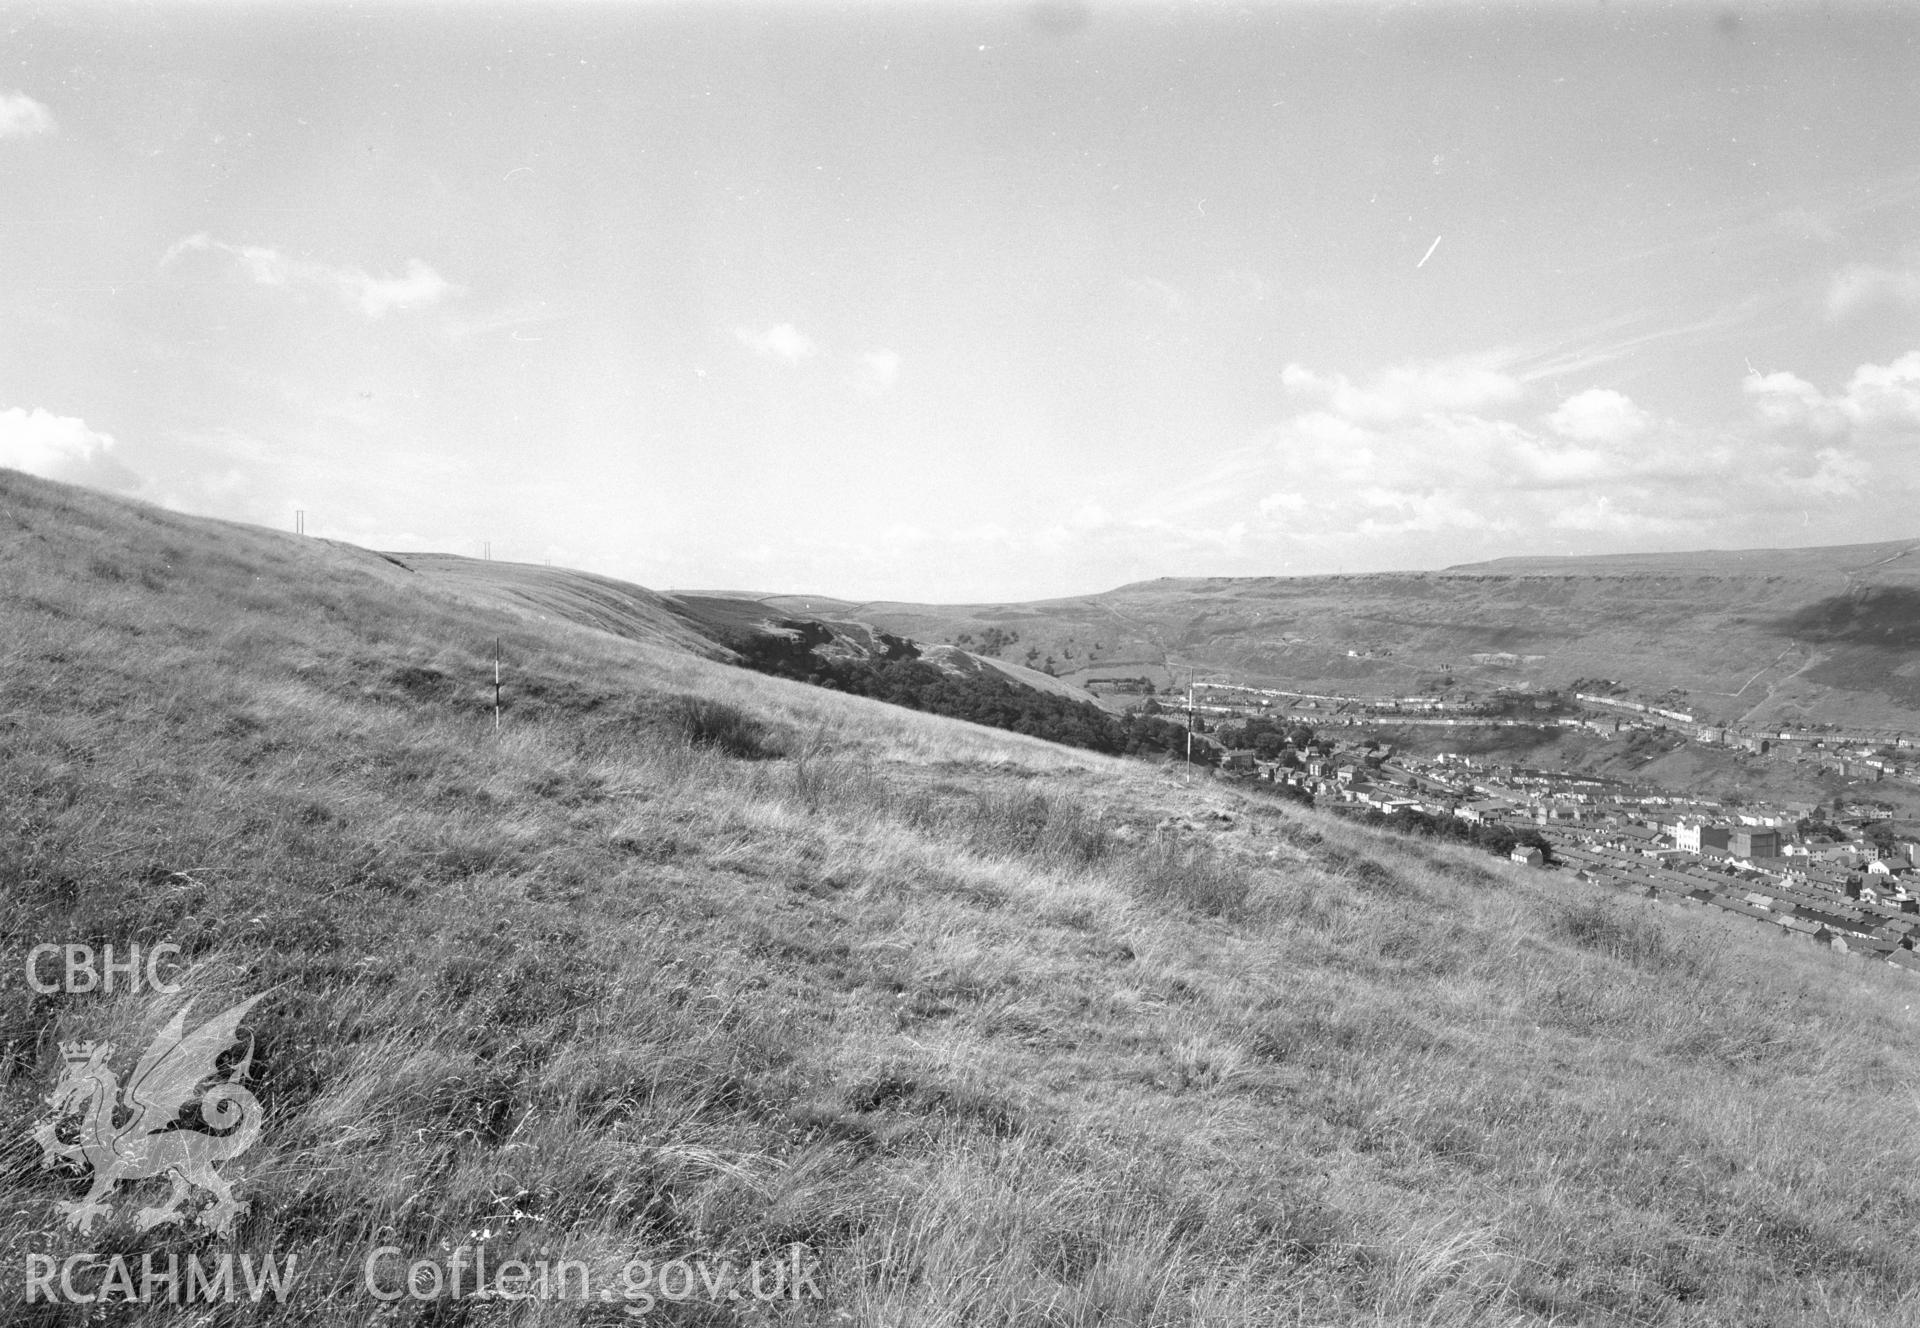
x,y
717,624
550,594
693,962
1822,635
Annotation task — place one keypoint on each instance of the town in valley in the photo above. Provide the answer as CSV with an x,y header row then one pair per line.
x,y
1834,860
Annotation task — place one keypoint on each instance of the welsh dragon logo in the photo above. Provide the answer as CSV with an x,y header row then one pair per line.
x,y
146,1142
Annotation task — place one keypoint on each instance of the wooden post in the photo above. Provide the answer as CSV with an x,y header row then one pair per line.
x,y
496,684
1189,771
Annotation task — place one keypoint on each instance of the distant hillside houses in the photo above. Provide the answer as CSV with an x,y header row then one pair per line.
x,y
1846,912
1678,716
1839,882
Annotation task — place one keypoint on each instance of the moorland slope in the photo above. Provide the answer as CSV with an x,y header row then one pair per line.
x,y
689,961
719,625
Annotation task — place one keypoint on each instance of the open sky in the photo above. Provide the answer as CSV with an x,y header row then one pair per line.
x,y
972,301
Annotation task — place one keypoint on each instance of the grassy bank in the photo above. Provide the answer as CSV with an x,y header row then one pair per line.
x,y
692,962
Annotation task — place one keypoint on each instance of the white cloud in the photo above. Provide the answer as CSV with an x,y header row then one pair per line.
x,y
378,295
199,242
1787,401
373,296
1879,399
1401,511
60,447
1088,521
783,341
23,117
1406,392
1600,514
1323,429
1438,457
1479,453
1836,474
1394,469
1547,463
268,267
1861,286
1599,415
1885,395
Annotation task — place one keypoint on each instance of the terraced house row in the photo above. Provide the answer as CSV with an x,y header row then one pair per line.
x,y
1851,918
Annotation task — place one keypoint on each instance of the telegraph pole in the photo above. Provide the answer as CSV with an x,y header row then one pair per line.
x,y
496,684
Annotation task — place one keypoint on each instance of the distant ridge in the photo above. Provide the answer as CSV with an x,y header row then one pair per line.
x,y
1719,562
1794,635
